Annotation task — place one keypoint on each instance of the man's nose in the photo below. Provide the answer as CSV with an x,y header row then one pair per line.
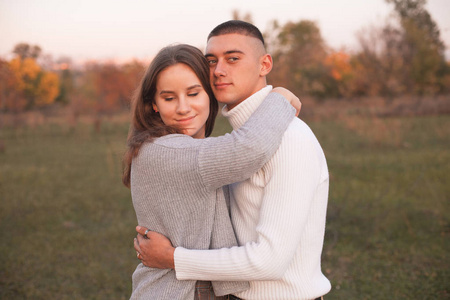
x,y
219,69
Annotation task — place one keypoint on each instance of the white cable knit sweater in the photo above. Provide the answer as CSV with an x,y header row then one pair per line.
x,y
279,219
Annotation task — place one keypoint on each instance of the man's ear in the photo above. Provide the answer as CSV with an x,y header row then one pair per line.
x,y
266,64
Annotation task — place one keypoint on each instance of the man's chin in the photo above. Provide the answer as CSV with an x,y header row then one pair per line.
x,y
225,100
230,103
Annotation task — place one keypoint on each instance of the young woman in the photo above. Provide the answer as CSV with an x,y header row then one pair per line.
x,y
176,174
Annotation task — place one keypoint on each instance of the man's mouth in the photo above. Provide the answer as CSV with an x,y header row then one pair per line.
x,y
221,85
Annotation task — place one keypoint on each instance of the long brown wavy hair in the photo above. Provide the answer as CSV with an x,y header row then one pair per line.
x,y
146,124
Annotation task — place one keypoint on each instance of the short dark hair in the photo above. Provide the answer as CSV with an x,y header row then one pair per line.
x,y
237,26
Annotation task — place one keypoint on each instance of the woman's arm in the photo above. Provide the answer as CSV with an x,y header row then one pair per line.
x,y
235,157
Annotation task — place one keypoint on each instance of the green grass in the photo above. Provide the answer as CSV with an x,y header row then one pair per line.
x,y
388,218
67,222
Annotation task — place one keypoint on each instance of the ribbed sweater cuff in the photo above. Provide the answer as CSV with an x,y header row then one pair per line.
x,y
182,263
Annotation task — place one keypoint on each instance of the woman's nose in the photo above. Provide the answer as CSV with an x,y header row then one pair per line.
x,y
183,106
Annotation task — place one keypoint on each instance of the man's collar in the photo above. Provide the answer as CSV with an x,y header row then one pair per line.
x,y
241,112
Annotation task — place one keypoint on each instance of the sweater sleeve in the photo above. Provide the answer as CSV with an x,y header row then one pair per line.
x,y
236,156
297,172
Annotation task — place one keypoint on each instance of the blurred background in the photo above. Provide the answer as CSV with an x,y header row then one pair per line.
x,y
374,80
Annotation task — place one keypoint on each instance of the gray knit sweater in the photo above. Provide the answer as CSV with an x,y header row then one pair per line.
x,y
176,187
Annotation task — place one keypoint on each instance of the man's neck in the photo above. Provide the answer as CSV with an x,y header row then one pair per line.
x,y
241,112
262,84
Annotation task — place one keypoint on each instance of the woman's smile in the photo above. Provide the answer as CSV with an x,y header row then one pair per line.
x,y
185,120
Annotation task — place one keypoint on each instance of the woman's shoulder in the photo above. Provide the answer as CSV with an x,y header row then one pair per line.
x,y
175,141
169,149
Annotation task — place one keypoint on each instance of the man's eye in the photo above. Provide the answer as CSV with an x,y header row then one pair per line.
x,y
233,59
212,61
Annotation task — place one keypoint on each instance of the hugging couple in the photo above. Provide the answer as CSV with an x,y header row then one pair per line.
x,y
239,216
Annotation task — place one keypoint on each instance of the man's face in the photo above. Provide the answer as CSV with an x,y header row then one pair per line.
x,y
238,67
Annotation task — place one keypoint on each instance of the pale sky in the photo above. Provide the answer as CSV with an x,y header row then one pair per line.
x,y
119,29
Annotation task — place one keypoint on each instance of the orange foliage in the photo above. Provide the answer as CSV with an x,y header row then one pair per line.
x,y
48,89
10,97
339,64
108,87
25,84
25,72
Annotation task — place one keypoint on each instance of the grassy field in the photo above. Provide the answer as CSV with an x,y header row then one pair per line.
x,y
67,223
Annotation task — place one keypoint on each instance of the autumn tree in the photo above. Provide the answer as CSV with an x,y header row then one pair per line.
x,y
38,87
133,72
340,75
405,56
110,89
26,84
236,15
299,53
107,88
422,47
414,11
11,97
379,63
66,80
24,50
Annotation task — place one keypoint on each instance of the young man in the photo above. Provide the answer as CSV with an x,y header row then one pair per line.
x,y
279,213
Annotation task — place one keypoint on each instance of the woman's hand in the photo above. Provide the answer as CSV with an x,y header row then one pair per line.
x,y
154,249
294,100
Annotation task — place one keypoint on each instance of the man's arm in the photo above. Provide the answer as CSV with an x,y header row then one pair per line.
x,y
296,174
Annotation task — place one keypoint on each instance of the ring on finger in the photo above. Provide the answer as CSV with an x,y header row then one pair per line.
x,y
145,234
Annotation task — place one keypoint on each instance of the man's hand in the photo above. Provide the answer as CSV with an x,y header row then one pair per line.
x,y
294,100
155,251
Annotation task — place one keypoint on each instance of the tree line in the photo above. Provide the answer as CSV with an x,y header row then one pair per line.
x,y
405,55
31,80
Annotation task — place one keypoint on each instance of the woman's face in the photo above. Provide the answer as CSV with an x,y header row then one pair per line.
x,y
181,100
